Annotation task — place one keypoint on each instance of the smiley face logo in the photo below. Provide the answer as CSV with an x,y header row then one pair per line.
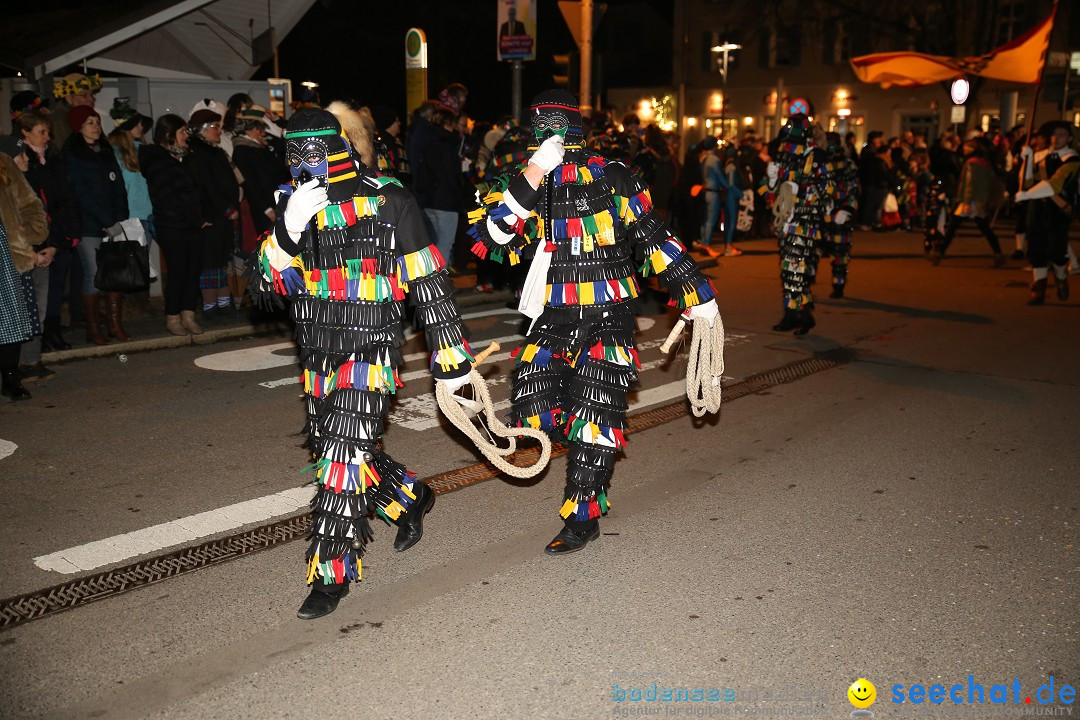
x,y
862,693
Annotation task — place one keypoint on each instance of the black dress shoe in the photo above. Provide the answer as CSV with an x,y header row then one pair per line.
x,y
837,292
1062,285
570,540
790,321
412,529
323,600
806,322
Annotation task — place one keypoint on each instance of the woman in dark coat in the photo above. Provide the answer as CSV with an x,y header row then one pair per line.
x,y
434,154
261,169
178,219
219,194
99,187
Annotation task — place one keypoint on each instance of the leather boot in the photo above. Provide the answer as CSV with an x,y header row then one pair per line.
x,y
52,336
573,537
806,321
12,386
91,308
116,316
172,324
1038,292
1061,284
412,525
790,321
322,600
187,319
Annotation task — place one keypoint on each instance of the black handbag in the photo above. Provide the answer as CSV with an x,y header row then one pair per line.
x,y
122,266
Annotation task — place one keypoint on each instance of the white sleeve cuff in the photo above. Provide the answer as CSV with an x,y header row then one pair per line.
x,y
1040,190
497,234
278,258
515,207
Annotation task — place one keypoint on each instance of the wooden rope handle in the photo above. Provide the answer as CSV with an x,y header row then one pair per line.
x,y
673,335
483,354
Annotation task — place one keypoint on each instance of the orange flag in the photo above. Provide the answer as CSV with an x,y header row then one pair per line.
x,y
1019,61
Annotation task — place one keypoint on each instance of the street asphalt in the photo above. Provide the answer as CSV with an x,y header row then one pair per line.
x,y
908,517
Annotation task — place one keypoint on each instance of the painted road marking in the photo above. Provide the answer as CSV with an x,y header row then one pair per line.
x,y
7,448
263,357
100,553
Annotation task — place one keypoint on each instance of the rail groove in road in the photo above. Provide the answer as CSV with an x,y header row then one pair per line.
x,y
42,603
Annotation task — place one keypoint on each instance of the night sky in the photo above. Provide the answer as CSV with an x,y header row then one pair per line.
x,y
361,58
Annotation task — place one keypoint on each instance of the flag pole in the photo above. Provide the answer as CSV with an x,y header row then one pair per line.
x,y
1042,72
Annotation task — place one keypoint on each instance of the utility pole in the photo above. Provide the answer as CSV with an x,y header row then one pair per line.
x,y
586,57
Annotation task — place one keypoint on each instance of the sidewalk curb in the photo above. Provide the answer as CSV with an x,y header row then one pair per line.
x,y
464,297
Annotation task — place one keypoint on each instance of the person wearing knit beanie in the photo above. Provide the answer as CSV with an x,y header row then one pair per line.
x,y
78,115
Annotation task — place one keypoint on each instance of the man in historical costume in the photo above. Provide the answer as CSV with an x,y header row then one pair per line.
x,y
797,177
1051,195
347,249
73,90
842,176
585,225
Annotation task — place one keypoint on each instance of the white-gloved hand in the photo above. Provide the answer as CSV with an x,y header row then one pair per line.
x,y
1020,196
304,203
454,384
705,311
773,171
549,155
841,217
1027,152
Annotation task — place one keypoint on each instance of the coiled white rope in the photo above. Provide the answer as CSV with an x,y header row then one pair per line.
x,y
705,366
460,411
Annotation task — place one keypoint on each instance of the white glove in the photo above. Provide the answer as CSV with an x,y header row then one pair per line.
x,y
1020,196
304,203
1027,152
549,155
773,171
454,384
705,311
841,217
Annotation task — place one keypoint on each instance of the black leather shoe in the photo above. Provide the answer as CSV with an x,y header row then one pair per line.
x,y
790,321
1062,285
12,387
570,540
412,529
806,321
323,600
837,292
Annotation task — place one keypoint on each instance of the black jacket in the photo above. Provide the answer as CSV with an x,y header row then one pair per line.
x,y
263,172
436,167
97,183
174,192
50,182
219,195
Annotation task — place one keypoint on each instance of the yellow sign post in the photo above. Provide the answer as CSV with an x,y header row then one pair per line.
x,y
416,91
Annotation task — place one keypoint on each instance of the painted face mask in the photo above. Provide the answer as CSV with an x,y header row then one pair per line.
x,y
307,160
555,112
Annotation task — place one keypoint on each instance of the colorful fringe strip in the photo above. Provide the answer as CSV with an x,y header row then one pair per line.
x,y
617,354
695,296
343,215
352,374
452,356
346,568
544,421
598,228
578,430
592,293
289,280
632,208
357,280
573,174
423,262
585,509
663,257
533,354
344,478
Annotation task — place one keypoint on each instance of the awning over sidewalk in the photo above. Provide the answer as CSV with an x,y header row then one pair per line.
x,y
187,39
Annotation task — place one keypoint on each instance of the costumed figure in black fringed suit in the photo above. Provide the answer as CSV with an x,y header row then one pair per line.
x,y
797,177
348,247
843,188
585,225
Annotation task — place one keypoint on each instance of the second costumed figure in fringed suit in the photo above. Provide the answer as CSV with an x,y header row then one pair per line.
x,y
348,248
843,189
797,175
586,226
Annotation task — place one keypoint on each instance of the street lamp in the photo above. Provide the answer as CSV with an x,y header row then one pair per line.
x,y
723,49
